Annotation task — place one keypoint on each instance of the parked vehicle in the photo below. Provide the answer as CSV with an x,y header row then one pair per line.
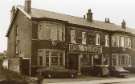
x,y
100,70
118,71
57,72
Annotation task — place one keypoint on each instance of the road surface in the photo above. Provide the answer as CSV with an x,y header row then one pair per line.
x,y
105,81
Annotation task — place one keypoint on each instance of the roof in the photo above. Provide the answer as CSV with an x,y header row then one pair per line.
x,y
38,13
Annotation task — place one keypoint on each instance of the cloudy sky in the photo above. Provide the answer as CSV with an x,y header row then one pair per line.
x,y
116,10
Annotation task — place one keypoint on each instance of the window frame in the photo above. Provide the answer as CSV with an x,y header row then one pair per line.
x,y
97,39
106,40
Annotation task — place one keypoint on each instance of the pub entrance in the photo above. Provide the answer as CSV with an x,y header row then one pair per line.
x,y
73,61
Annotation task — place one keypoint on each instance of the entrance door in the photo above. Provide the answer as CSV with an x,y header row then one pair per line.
x,y
73,61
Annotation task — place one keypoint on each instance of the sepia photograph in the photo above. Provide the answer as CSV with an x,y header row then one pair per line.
x,y
67,42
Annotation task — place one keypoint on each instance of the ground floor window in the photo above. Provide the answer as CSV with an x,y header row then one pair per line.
x,y
51,57
91,59
121,59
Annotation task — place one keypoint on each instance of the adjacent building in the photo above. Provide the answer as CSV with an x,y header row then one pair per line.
x,y
40,38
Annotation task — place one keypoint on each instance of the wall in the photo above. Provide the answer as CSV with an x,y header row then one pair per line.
x,y
19,40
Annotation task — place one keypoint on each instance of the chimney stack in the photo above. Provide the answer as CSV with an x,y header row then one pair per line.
x,y
13,10
123,24
107,20
27,6
89,16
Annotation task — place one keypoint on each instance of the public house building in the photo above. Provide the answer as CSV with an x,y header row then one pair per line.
x,y
41,38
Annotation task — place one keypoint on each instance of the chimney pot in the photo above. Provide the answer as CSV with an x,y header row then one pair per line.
x,y
107,20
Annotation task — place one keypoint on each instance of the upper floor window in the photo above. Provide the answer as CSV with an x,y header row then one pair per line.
x,y
83,37
51,31
129,42
122,41
115,41
97,39
106,40
73,36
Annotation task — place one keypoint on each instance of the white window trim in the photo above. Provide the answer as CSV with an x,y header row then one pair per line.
x,y
97,39
50,57
84,38
51,25
72,38
107,40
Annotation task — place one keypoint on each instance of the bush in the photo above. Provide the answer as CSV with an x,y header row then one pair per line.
x,y
12,77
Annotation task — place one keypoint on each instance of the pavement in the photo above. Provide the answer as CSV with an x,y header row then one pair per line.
x,y
90,80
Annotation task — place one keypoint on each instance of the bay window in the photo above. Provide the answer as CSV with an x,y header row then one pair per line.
x,y
51,57
51,31
121,60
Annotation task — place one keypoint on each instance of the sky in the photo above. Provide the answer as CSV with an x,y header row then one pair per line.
x,y
116,10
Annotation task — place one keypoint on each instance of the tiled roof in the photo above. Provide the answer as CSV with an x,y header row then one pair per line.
x,y
38,13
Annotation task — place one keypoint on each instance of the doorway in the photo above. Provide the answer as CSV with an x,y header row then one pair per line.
x,y
73,61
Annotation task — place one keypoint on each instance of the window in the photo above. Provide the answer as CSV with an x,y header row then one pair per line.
x,y
50,57
44,32
129,42
54,58
61,34
40,56
54,32
106,40
114,59
51,31
97,39
47,58
115,41
83,37
40,60
121,41
124,60
73,36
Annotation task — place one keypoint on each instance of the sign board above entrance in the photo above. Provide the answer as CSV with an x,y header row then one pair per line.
x,y
85,48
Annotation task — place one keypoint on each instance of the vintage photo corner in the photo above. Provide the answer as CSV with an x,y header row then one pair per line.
x,y
66,41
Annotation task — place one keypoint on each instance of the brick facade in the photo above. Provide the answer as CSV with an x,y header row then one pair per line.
x,y
46,42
